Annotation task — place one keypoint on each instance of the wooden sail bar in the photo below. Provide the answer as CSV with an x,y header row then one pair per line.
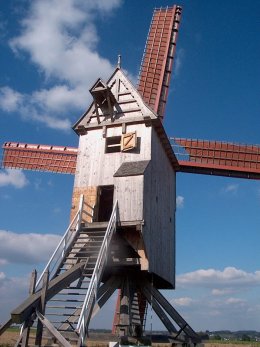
x,y
217,158
157,62
26,156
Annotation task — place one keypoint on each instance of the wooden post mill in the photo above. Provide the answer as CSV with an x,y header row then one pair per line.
x,y
122,231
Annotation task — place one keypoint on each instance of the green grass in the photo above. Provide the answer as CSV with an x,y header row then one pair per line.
x,y
234,342
13,329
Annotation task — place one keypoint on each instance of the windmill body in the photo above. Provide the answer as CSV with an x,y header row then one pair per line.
x,y
122,157
122,231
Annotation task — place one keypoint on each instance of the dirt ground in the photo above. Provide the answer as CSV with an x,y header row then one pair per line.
x,y
9,337
101,340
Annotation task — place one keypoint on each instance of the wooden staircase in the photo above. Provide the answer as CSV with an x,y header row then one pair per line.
x,y
61,301
64,309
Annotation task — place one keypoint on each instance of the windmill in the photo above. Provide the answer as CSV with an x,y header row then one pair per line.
x,y
122,229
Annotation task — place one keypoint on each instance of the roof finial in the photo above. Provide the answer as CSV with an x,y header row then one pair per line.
x,y
119,61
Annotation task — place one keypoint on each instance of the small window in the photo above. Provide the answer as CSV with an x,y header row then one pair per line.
x,y
113,144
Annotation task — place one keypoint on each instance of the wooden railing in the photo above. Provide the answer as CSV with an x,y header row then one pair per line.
x,y
61,250
91,295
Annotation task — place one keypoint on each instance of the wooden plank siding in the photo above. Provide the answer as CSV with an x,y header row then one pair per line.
x,y
159,213
97,168
146,197
129,193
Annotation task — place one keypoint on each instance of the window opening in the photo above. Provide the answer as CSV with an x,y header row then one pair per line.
x,y
113,144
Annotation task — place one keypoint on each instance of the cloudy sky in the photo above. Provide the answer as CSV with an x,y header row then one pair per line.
x,y
51,53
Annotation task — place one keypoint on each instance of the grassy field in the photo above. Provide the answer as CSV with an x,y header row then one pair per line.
x,y
9,338
231,343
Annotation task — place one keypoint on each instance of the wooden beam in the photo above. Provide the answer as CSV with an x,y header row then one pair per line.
x,y
45,283
53,330
23,311
110,289
29,321
158,310
5,326
172,312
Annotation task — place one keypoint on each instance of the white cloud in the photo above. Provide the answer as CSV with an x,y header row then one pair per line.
x,y
13,290
231,188
9,99
34,107
235,301
180,54
27,248
230,276
57,210
222,292
15,178
185,301
61,39
218,299
204,311
3,262
180,201
6,196
2,276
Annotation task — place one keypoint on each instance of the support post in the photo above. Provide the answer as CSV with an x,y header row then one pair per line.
x,y
25,330
38,338
124,315
28,322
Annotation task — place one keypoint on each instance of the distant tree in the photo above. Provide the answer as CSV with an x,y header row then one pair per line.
x,y
203,335
216,337
245,337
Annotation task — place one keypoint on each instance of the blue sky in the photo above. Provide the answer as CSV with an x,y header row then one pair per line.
x,y
51,53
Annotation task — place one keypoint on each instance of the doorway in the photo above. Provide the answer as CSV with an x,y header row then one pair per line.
x,y
105,203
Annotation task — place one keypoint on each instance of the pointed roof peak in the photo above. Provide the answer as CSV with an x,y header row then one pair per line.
x,y
119,60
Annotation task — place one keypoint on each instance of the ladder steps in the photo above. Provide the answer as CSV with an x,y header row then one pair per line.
x,y
93,235
81,257
63,310
62,314
69,300
82,288
92,245
84,245
65,268
62,322
69,330
63,307
85,251
71,294
87,242
62,294
74,258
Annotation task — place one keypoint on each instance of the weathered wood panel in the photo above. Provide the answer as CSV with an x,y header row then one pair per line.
x,y
129,193
159,213
96,168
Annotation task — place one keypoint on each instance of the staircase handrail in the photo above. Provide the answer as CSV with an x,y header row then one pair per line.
x,y
91,294
66,240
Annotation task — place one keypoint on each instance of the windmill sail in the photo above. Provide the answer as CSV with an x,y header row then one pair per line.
x,y
217,158
157,62
39,157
